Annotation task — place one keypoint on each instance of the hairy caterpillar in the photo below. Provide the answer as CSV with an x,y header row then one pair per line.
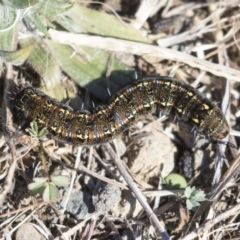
x,y
147,95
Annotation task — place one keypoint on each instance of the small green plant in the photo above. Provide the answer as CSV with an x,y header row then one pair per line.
x,y
175,181
47,187
35,132
194,197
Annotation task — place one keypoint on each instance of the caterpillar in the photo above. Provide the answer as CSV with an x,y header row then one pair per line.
x,y
147,95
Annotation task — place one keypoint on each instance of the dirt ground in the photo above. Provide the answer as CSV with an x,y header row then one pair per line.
x,y
133,187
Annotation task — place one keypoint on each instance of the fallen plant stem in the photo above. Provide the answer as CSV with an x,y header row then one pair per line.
x,y
43,160
210,223
142,49
151,215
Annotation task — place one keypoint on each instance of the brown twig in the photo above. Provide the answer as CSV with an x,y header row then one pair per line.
x,y
210,223
43,160
152,217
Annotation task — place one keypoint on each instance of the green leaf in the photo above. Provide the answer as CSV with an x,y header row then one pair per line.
x,y
43,133
200,196
194,202
52,8
85,71
60,181
175,181
38,185
45,64
47,188
20,4
17,57
9,18
189,204
194,197
37,21
50,192
34,131
31,132
188,192
103,24
57,91
75,66
69,24
34,126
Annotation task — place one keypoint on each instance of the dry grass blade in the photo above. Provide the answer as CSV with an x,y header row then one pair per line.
x,y
111,44
210,223
152,217
146,10
95,175
74,229
228,176
74,174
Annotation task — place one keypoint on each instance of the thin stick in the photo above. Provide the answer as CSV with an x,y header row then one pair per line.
x,y
74,175
152,217
43,160
210,223
119,45
93,174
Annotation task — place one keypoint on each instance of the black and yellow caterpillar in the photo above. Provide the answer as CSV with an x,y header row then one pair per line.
x,y
147,95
